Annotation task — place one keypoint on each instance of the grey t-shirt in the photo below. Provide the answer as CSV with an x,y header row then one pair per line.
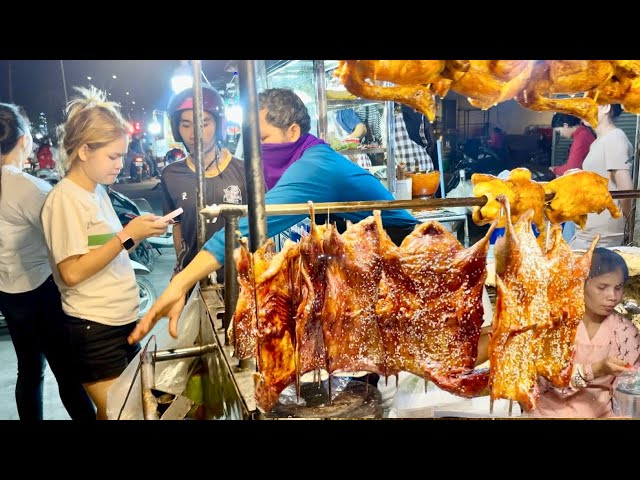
x,y
179,190
607,154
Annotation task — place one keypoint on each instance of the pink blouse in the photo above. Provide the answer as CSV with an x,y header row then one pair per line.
x,y
617,337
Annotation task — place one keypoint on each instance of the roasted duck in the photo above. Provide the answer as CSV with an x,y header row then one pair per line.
x,y
308,287
522,193
554,345
430,308
352,336
522,280
243,331
276,340
576,194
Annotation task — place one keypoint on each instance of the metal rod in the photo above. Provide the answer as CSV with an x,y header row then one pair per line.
x,y
198,157
147,382
187,352
341,207
253,155
321,94
64,83
440,167
389,116
231,287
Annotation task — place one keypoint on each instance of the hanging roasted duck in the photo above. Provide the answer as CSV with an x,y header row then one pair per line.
x,y
554,345
522,280
430,309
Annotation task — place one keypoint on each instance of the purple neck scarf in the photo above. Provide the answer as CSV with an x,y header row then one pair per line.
x,y
277,157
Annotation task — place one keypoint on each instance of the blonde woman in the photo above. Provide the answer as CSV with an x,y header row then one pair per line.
x,y
88,246
29,299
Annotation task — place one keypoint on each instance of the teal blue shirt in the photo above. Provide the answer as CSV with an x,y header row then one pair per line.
x,y
320,175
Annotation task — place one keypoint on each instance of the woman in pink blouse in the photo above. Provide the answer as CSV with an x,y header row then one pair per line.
x,y
607,345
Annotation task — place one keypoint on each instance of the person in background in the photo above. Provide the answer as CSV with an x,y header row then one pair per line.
x,y
88,248
414,140
224,174
298,167
353,128
607,345
45,155
496,140
29,298
571,127
610,156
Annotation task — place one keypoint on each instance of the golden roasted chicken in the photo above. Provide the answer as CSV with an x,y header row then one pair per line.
x,y
533,83
522,193
576,194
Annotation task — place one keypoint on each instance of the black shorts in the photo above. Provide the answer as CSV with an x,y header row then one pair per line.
x,y
99,351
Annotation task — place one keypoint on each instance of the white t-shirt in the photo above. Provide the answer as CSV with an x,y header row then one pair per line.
x,y
608,153
75,222
24,265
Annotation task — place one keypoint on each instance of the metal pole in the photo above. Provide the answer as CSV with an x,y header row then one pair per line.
x,y
231,287
391,146
252,154
440,168
64,83
198,159
343,207
10,82
147,382
321,98
187,352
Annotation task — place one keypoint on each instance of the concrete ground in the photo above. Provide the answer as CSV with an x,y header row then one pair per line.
x,y
53,409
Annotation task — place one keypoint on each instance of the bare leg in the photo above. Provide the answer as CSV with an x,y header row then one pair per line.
x,y
98,393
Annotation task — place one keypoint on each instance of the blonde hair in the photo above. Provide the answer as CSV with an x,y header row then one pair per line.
x,y
92,120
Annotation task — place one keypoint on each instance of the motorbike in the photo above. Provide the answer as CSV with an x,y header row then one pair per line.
x,y
148,293
127,209
50,175
139,169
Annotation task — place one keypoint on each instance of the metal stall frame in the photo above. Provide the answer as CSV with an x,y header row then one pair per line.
x,y
233,381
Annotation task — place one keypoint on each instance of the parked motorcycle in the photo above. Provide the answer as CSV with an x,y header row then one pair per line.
x,y
139,169
50,175
148,294
139,206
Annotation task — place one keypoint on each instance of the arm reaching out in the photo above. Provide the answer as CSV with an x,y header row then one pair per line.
x,y
172,300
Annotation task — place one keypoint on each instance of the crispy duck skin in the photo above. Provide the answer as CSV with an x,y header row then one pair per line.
x,y
554,345
522,193
351,334
308,287
243,331
522,304
430,307
576,194
276,325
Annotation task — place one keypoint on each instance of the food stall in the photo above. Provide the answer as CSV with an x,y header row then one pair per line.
x,y
273,386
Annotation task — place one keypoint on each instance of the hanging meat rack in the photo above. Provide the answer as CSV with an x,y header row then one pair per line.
x,y
232,381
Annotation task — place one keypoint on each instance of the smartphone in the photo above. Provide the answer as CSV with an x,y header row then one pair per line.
x,y
169,216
